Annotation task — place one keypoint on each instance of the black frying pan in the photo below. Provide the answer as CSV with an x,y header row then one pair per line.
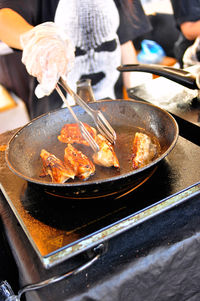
x,y
126,116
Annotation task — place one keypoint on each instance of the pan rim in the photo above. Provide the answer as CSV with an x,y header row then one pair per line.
x,y
96,181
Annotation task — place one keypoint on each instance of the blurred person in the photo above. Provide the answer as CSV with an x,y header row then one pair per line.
x,y
164,32
187,17
13,75
99,34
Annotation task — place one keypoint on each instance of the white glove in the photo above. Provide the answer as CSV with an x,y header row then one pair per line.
x,y
47,54
190,56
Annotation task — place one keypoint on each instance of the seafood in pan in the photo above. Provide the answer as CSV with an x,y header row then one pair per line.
x,y
70,133
106,155
75,164
55,168
82,165
144,150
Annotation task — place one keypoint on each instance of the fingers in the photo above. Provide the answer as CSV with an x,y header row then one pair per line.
x,y
47,54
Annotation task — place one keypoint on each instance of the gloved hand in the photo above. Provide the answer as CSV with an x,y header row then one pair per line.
x,y
47,54
191,56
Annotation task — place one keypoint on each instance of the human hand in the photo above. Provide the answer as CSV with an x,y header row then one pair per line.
x,y
47,54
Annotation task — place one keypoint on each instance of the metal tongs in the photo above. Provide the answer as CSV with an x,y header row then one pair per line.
x,y
102,124
86,135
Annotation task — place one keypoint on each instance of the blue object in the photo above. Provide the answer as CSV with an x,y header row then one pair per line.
x,y
151,52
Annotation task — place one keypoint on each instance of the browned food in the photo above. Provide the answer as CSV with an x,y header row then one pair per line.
x,y
82,165
55,168
70,133
106,155
144,150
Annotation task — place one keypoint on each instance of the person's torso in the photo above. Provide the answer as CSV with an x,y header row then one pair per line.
x,y
186,10
92,27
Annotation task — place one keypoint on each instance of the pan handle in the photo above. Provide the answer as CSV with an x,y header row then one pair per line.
x,y
98,250
179,76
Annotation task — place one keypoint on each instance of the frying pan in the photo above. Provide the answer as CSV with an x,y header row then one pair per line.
x,y
126,116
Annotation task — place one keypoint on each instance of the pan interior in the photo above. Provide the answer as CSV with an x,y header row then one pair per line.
x,y
126,117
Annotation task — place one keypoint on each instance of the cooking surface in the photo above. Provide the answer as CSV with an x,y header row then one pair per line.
x,y
158,223
59,228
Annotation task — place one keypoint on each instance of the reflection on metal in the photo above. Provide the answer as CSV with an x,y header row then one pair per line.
x,y
116,194
136,186
121,226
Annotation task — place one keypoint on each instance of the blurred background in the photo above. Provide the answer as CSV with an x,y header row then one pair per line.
x,y
13,110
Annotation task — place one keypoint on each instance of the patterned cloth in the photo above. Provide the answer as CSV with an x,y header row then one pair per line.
x,y
92,27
